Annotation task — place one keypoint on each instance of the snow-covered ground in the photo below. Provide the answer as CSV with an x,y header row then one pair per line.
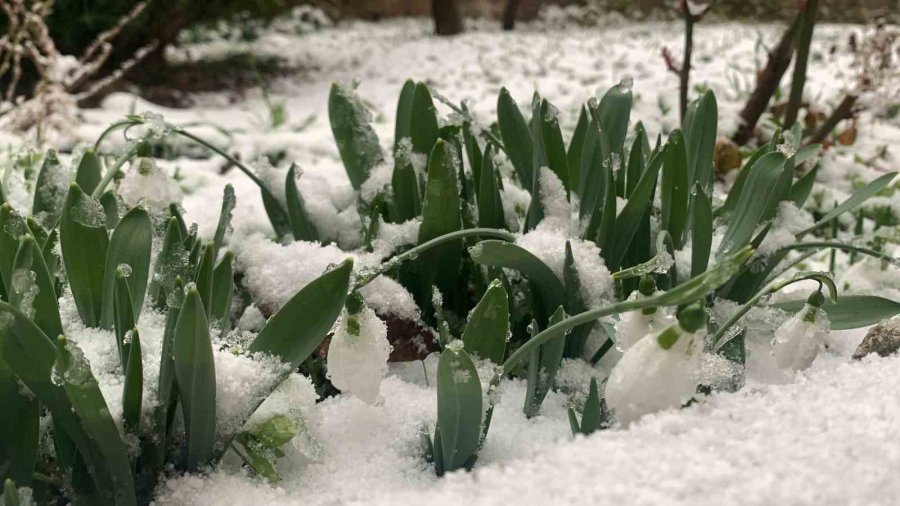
x,y
830,435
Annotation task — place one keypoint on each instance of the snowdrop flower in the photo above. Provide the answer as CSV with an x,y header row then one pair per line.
x,y
634,325
147,183
797,341
358,353
660,371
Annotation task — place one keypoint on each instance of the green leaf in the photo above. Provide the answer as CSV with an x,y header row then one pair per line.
x,y
123,314
754,202
495,253
11,493
403,122
83,391
203,278
84,243
355,138
701,231
276,430
637,160
303,322
49,190
458,408
595,170
258,456
171,261
110,209
440,215
302,227
196,375
734,194
858,197
801,190
675,188
516,137
31,287
486,332
132,392
592,418
423,121
19,429
615,111
228,203
490,205
542,369
576,148
223,290
638,204
851,311
554,147
130,245
12,226
167,392
31,356
89,171
278,218
700,125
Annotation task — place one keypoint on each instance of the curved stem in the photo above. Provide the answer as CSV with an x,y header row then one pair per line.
x,y
112,128
364,280
822,278
689,291
112,171
844,247
135,120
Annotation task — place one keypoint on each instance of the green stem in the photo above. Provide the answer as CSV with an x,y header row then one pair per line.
x,y
112,128
367,278
844,247
768,290
111,173
135,120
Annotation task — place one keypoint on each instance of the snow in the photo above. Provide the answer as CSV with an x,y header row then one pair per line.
x,y
825,435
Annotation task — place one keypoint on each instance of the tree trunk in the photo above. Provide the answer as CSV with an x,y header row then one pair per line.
x,y
509,14
447,20
769,79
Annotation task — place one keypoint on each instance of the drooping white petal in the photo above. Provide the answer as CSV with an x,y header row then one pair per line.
x,y
649,378
357,357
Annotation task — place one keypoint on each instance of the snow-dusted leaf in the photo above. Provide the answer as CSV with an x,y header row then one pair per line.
x,y
516,137
133,387
130,245
700,126
495,253
223,290
486,331
458,408
196,375
355,138
303,322
675,188
88,173
84,243
754,202
18,429
302,227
